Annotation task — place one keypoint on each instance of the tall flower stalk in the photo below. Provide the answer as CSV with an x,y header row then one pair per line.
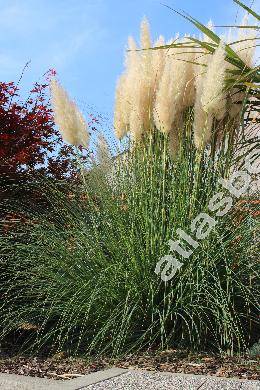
x,y
69,120
67,116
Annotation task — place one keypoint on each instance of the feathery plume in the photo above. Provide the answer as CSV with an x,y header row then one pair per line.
x,y
133,67
163,102
213,99
201,126
247,45
124,90
236,101
235,97
158,62
121,120
139,69
188,58
67,116
136,124
169,102
157,87
144,97
145,36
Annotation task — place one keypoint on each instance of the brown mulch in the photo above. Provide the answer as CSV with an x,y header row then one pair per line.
x,y
200,364
60,366
57,367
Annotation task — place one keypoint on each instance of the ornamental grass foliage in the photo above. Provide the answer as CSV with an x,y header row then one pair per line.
x,y
82,278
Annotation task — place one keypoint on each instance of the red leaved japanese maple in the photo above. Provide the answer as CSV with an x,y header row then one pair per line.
x,y
29,140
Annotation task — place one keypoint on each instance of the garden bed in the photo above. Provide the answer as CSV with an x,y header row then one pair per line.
x,y
61,367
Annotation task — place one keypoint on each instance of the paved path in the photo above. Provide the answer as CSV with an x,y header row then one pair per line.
x,y
120,379
138,380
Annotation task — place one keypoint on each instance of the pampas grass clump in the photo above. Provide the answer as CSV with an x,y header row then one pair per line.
x,y
81,275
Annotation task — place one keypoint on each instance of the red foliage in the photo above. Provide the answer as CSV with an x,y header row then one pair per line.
x,y
29,140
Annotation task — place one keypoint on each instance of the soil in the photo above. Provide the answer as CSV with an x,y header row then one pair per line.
x,y
200,364
59,366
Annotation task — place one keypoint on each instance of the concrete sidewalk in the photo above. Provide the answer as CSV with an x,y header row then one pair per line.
x,y
144,380
121,379
20,382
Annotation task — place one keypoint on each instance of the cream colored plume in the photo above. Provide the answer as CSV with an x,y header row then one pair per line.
x,y
169,102
143,92
247,45
145,35
124,90
236,102
188,57
243,42
121,117
136,88
158,62
139,75
202,121
213,97
136,124
201,126
163,103
132,62
158,86
67,116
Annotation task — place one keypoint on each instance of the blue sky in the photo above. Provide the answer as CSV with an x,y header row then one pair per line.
x,y
84,40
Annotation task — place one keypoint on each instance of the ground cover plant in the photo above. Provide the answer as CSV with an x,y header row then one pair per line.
x,y
82,278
